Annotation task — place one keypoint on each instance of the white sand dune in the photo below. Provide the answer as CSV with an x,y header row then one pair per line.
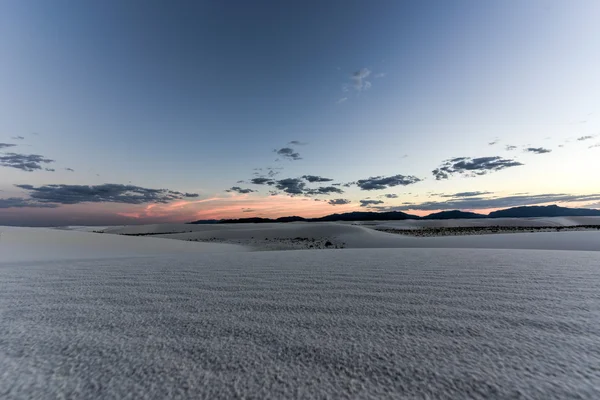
x,y
508,222
362,323
260,236
25,244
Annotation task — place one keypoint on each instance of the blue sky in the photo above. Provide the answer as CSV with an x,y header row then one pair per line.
x,y
192,96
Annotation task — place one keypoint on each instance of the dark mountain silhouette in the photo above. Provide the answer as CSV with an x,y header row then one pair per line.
x,y
515,212
367,216
454,214
544,211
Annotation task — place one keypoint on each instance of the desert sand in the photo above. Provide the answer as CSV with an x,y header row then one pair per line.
x,y
90,315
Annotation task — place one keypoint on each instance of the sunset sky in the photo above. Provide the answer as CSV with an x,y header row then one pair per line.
x,y
116,112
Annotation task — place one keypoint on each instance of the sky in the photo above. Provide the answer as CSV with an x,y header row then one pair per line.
x,y
130,111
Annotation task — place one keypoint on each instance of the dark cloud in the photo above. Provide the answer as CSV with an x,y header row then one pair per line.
x,y
248,210
18,138
594,146
288,153
24,162
582,138
537,150
190,195
472,166
323,190
369,203
315,178
297,143
482,203
50,169
380,182
240,190
6,145
510,147
337,202
465,194
390,195
291,186
15,202
262,181
494,142
106,193
69,169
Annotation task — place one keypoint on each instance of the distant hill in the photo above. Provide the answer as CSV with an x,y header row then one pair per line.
x,y
367,216
454,214
516,212
544,211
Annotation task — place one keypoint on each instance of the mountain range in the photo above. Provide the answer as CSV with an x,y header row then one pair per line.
x,y
515,212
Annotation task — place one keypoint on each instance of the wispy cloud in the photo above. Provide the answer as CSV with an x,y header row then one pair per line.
x,y
583,138
341,100
106,193
297,143
510,147
18,137
24,162
360,79
316,178
238,189
69,169
369,203
15,202
6,145
472,166
288,153
382,182
537,150
466,194
337,202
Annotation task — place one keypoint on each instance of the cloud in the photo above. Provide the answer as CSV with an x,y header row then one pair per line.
x,y
291,186
15,202
380,182
190,195
315,178
481,203
390,195
49,169
248,210
582,138
262,181
360,79
69,169
537,150
472,166
288,153
6,145
368,203
380,75
326,190
341,100
494,142
24,162
510,147
297,143
106,193
18,137
466,194
594,146
337,202
240,190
